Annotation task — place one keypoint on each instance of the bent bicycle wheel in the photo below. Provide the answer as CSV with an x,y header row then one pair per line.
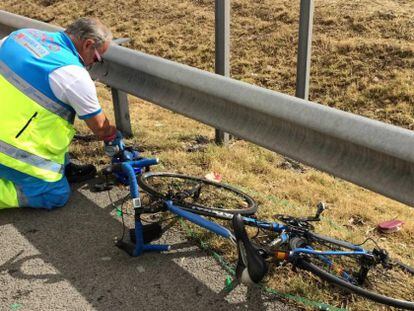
x,y
374,275
198,195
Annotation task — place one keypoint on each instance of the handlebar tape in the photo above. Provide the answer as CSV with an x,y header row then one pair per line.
x,y
133,185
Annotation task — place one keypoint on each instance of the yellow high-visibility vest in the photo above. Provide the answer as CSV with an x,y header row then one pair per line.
x,y
33,140
36,128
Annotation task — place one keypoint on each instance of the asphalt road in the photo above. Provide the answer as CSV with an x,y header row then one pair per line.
x,y
66,260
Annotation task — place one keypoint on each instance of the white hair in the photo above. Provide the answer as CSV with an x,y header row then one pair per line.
x,y
90,28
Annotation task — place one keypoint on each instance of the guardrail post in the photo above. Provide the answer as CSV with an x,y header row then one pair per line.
x,y
304,48
121,105
121,111
222,64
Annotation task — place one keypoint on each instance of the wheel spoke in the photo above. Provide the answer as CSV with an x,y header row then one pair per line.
x,y
200,195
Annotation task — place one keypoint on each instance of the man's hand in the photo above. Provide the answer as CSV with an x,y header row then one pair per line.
x,y
101,127
114,144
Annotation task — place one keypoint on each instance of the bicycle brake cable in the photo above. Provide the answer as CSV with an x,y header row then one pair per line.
x,y
120,209
369,239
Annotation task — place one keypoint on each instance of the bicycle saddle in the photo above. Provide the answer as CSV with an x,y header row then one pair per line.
x,y
251,264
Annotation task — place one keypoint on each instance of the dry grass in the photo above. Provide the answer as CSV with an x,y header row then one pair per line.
x,y
353,212
363,60
362,57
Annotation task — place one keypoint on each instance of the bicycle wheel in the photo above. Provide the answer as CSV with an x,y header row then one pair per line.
x,y
374,275
198,195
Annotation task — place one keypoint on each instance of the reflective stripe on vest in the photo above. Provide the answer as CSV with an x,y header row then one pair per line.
x,y
34,94
31,159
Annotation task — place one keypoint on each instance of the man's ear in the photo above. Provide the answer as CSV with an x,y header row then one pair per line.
x,y
88,43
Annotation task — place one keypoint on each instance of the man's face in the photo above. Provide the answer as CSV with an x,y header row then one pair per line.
x,y
90,53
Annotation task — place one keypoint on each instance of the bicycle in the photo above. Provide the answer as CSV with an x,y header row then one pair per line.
x,y
127,165
292,241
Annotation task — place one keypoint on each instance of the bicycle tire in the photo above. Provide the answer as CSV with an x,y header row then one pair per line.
x,y
225,199
377,283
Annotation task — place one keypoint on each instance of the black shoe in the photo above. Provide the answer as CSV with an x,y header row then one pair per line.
x,y
78,173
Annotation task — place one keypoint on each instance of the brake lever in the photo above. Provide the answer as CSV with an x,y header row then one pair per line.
x,y
321,207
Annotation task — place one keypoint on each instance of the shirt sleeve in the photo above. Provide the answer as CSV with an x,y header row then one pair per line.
x,y
2,40
74,86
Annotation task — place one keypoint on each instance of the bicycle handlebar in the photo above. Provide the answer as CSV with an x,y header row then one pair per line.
x,y
128,169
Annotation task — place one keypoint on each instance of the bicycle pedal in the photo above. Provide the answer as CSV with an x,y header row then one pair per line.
x,y
150,233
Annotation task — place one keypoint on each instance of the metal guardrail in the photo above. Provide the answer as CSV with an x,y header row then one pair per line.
x,y
369,153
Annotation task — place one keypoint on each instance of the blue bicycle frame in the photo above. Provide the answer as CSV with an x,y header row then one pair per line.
x,y
140,247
